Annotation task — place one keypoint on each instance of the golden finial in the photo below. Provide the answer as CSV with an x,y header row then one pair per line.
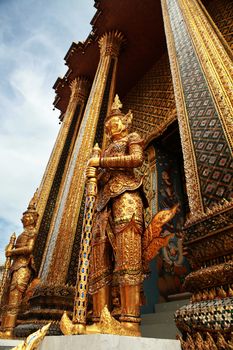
x,y
212,294
230,292
205,295
13,237
222,293
117,103
11,242
33,202
96,150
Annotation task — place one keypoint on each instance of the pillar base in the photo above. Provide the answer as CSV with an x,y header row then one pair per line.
x,y
46,305
208,318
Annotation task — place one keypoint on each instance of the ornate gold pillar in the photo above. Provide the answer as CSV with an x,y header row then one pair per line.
x,y
59,246
203,84
53,178
202,72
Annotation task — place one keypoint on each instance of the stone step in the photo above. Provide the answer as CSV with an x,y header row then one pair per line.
x,y
159,330
158,317
170,305
161,324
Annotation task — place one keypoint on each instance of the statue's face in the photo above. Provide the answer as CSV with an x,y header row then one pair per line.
x,y
115,126
28,219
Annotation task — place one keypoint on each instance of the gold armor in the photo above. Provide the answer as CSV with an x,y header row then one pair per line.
x,y
116,257
20,271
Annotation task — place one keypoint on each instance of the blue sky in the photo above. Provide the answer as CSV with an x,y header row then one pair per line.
x,y
34,38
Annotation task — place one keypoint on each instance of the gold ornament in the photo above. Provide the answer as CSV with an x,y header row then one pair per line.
x,y
33,340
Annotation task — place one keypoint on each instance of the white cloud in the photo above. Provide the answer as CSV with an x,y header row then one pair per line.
x,y
34,38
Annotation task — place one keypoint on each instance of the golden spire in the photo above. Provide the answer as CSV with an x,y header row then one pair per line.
x,y
117,103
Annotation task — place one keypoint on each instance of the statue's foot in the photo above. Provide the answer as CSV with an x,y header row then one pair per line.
x,y
6,334
69,328
131,328
93,329
109,325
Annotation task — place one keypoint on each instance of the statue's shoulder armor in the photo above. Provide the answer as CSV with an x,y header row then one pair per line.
x,y
22,238
134,137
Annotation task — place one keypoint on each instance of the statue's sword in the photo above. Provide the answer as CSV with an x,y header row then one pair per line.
x,y
80,301
7,266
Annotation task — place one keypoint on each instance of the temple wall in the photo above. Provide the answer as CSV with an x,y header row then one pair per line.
x,y
221,12
152,101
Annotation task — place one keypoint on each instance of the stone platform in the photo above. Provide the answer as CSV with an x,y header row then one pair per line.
x,y
99,342
6,344
161,324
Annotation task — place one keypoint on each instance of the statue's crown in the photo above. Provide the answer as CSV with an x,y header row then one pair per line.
x,y
32,204
116,109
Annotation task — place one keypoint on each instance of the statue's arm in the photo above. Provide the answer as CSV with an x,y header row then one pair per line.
x,y
26,250
132,160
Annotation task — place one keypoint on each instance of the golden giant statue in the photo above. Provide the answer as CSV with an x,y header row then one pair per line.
x,y
118,221
21,270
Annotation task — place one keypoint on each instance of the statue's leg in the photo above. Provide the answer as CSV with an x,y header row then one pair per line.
x,y
128,257
130,304
100,299
17,288
100,269
129,273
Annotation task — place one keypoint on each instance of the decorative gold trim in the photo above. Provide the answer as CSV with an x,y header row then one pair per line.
x,y
217,208
190,166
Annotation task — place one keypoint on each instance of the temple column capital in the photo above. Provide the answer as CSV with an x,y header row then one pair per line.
x,y
80,88
110,43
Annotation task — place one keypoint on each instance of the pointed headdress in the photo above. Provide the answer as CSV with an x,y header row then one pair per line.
x,y
116,110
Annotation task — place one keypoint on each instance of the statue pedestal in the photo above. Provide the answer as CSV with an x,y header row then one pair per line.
x,y
107,342
100,342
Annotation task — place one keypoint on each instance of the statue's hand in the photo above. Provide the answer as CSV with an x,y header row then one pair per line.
x,y
94,161
8,253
